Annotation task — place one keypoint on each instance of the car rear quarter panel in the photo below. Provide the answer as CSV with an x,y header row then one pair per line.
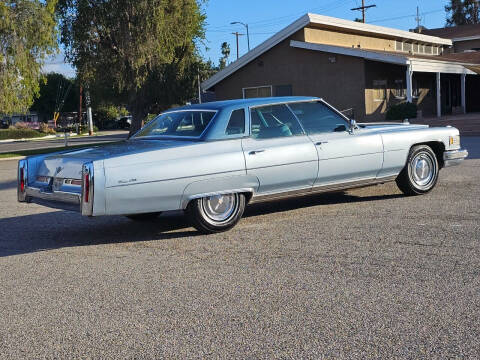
x,y
157,180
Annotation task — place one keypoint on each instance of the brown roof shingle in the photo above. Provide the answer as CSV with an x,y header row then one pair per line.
x,y
454,31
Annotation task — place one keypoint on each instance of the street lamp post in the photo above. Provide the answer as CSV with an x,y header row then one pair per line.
x,y
246,26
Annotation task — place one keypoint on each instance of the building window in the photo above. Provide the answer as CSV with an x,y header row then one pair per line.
x,y
415,48
399,91
379,90
283,90
256,92
398,45
407,46
428,49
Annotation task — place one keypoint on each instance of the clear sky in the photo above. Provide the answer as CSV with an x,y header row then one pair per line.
x,y
266,17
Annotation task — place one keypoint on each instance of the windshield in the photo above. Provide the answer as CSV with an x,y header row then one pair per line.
x,y
180,123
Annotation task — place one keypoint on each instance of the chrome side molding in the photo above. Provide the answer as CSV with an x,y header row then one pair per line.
x,y
321,189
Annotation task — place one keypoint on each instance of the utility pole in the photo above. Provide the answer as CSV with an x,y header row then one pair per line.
x,y
237,34
89,112
199,88
418,19
363,8
80,108
248,33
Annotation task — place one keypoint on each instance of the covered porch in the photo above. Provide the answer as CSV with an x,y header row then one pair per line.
x,y
457,88
468,124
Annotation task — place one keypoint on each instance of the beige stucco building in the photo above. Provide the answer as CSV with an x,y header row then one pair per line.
x,y
356,66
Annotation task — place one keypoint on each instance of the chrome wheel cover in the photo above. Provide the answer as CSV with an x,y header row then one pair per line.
x,y
219,209
423,169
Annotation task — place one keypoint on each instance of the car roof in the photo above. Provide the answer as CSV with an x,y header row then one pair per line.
x,y
219,105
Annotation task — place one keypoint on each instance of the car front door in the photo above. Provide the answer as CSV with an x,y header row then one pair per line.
x,y
343,156
278,152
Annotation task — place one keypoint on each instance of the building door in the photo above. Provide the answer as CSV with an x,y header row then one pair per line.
x,y
450,92
472,91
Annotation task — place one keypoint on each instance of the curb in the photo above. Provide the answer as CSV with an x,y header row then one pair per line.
x,y
13,158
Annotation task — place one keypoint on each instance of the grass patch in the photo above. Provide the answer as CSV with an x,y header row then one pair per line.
x,y
48,150
6,134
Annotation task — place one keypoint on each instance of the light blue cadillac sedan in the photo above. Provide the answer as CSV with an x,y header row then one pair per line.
x,y
212,159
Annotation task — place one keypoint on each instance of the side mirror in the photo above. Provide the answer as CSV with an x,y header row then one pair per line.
x,y
352,126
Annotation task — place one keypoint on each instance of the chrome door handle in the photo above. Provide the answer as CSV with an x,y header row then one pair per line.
x,y
318,143
255,152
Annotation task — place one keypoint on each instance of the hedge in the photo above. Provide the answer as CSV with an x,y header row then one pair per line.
x,y
19,134
402,111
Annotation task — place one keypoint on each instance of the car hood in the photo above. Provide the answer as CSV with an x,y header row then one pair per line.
x,y
69,164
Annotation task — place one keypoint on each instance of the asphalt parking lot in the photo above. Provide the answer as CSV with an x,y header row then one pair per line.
x,y
367,273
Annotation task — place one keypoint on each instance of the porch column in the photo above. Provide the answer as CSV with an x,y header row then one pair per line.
x,y
409,83
462,86
439,97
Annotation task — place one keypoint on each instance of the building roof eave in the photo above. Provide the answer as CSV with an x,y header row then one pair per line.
x,y
315,19
370,55
418,64
257,51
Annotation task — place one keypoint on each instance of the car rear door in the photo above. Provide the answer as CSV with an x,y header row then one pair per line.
x,y
343,156
278,152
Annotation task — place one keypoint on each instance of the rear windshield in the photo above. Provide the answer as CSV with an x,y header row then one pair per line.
x,y
181,123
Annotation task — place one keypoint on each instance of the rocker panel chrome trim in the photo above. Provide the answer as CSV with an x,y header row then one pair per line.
x,y
321,189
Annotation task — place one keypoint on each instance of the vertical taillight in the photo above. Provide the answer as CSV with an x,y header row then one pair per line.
x,y
22,179
22,183
87,196
86,187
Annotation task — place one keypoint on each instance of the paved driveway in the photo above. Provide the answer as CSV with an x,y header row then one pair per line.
x,y
364,274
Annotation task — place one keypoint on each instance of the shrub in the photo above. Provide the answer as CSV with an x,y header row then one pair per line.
x,y
402,111
19,134
21,125
44,128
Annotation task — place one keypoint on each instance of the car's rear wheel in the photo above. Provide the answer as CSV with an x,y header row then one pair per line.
x,y
420,174
216,213
144,217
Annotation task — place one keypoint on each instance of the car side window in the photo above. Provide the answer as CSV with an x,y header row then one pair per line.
x,y
273,121
316,118
236,124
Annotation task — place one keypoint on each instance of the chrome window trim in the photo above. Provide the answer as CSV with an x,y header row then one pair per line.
x,y
236,136
133,137
346,119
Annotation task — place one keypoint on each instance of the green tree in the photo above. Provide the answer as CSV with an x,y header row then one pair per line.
x,y
463,12
53,92
225,55
27,37
142,53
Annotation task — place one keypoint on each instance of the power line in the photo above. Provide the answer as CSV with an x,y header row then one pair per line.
x,y
405,16
363,8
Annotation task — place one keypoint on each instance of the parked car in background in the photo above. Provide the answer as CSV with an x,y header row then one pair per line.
x,y
4,124
212,159
124,122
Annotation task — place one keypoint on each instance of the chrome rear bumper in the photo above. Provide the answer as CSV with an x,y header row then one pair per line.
x,y
454,157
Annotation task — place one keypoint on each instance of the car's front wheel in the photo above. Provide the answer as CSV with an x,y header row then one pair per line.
x,y
216,213
420,174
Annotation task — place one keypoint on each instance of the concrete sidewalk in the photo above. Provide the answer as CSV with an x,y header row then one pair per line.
x,y
468,124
